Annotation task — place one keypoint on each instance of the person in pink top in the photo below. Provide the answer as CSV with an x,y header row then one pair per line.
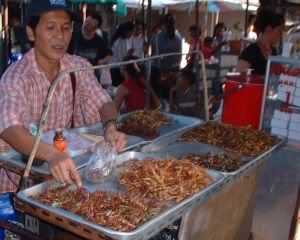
x,y
24,87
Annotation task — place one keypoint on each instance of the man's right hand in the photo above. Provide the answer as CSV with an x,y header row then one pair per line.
x,y
63,169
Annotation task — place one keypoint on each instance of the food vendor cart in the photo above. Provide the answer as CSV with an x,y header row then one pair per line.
x,y
200,213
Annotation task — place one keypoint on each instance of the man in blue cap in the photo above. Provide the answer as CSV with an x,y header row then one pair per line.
x,y
77,100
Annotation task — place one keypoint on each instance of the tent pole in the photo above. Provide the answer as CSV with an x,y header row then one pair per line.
x,y
246,18
197,66
6,34
148,76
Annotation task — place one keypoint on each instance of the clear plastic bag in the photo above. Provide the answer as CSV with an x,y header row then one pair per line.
x,y
101,162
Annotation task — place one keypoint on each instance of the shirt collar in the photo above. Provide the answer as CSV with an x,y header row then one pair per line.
x,y
35,69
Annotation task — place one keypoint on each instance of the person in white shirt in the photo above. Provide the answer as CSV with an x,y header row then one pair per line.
x,y
120,48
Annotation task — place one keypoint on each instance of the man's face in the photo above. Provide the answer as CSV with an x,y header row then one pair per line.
x,y
52,35
90,25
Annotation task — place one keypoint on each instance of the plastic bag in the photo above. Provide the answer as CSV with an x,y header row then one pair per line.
x,y
101,162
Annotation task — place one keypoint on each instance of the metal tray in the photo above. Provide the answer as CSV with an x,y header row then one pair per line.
x,y
97,129
170,145
179,123
79,160
144,231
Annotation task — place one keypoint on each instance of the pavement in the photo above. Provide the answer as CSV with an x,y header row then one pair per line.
x,y
277,195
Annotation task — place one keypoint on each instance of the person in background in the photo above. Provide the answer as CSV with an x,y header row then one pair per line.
x,y
207,47
250,33
88,44
121,48
183,96
271,25
132,91
25,84
191,58
137,40
218,37
18,35
166,41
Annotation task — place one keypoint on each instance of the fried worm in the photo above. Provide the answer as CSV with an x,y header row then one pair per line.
x,y
167,179
220,162
243,140
112,210
144,123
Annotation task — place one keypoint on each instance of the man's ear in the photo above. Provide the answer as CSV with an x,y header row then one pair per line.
x,y
30,33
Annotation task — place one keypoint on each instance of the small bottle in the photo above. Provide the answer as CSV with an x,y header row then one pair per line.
x,y
59,141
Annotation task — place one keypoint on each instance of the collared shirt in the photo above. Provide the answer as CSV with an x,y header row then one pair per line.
x,y
23,90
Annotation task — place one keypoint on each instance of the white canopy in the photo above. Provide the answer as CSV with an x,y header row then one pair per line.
x,y
187,4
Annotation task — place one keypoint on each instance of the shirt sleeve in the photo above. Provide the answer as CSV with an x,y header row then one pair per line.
x,y
13,106
92,96
119,50
249,54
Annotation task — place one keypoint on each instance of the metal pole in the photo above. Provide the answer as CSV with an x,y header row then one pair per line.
x,y
246,18
6,35
1,41
197,67
148,76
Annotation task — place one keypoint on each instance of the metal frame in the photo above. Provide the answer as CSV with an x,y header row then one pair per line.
x,y
284,60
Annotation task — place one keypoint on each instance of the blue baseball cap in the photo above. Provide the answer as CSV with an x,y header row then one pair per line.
x,y
37,7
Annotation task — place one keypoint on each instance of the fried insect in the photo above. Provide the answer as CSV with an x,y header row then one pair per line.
x,y
112,210
144,124
220,162
167,179
243,140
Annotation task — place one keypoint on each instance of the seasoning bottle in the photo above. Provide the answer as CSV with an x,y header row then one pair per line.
x,y
59,141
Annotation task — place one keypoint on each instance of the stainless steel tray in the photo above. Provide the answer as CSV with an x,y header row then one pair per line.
x,y
97,129
179,123
79,160
170,145
15,158
144,231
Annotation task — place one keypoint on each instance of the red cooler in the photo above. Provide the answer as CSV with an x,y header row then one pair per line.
x,y
243,98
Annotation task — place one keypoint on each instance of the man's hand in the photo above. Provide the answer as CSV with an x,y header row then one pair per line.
x,y
63,169
116,138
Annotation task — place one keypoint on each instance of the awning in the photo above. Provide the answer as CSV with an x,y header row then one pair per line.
x,y
205,5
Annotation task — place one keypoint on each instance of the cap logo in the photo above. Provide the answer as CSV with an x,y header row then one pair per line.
x,y
58,2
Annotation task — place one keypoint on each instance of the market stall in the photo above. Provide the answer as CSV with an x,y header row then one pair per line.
x,y
178,136
225,186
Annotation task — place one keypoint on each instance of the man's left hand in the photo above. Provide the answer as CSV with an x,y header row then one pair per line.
x,y
116,138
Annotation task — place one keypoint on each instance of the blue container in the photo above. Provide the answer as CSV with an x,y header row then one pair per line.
x,y
7,211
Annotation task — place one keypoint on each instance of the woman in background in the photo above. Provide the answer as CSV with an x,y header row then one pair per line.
x,y
271,26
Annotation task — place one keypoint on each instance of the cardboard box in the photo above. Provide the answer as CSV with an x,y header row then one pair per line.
x,y
296,101
282,96
294,135
294,126
282,115
295,117
277,123
297,92
279,131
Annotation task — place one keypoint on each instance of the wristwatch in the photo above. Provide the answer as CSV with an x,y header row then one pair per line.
x,y
108,122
